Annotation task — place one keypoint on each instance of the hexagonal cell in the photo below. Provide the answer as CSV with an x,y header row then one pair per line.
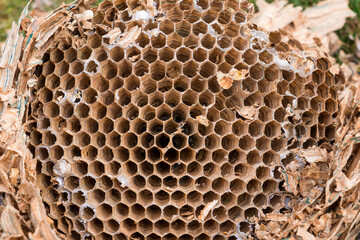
x,y
104,211
251,213
331,105
122,211
150,55
158,41
76,67
137,212
246,142
272,100
208,41
97,196
154,154
98,111
162,168
48,68
317,104
82,81
147,140
227,226
128,226
244,200
249,56
94,41
108,69
56,55
52,81
112,226
117,53
232,30
318,76
51,110
124,68
145,226
228,199
189,98
153,212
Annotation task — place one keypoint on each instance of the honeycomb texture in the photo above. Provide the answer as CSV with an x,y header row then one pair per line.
x,y
121,151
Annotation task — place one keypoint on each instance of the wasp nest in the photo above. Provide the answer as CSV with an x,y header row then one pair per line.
x,y
174,122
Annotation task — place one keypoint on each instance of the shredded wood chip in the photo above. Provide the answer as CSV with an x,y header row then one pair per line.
x,y
129,37
314,154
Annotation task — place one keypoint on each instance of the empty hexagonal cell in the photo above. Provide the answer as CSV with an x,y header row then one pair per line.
x,y
331,105
189,97
166,26
94,41
249,56
49,138
145,197
117,53
99,83
56,55
145,226
122,211
82,81
45,95
227,226
51,110
128,226
82,139
158,41
104,211
48,68
76,67
228,199
137,212
153,212
272,100
112,226
124,68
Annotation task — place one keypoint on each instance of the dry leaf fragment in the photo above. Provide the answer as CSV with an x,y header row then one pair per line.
x,y
226,80
247,112
314,154
343,183
113,35
277,217
10,222
276,15
203,120
290,183
85,16
14,176
304,234
129,37
207,209
323,223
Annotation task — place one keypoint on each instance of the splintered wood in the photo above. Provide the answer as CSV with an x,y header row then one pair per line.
x,y
172,120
